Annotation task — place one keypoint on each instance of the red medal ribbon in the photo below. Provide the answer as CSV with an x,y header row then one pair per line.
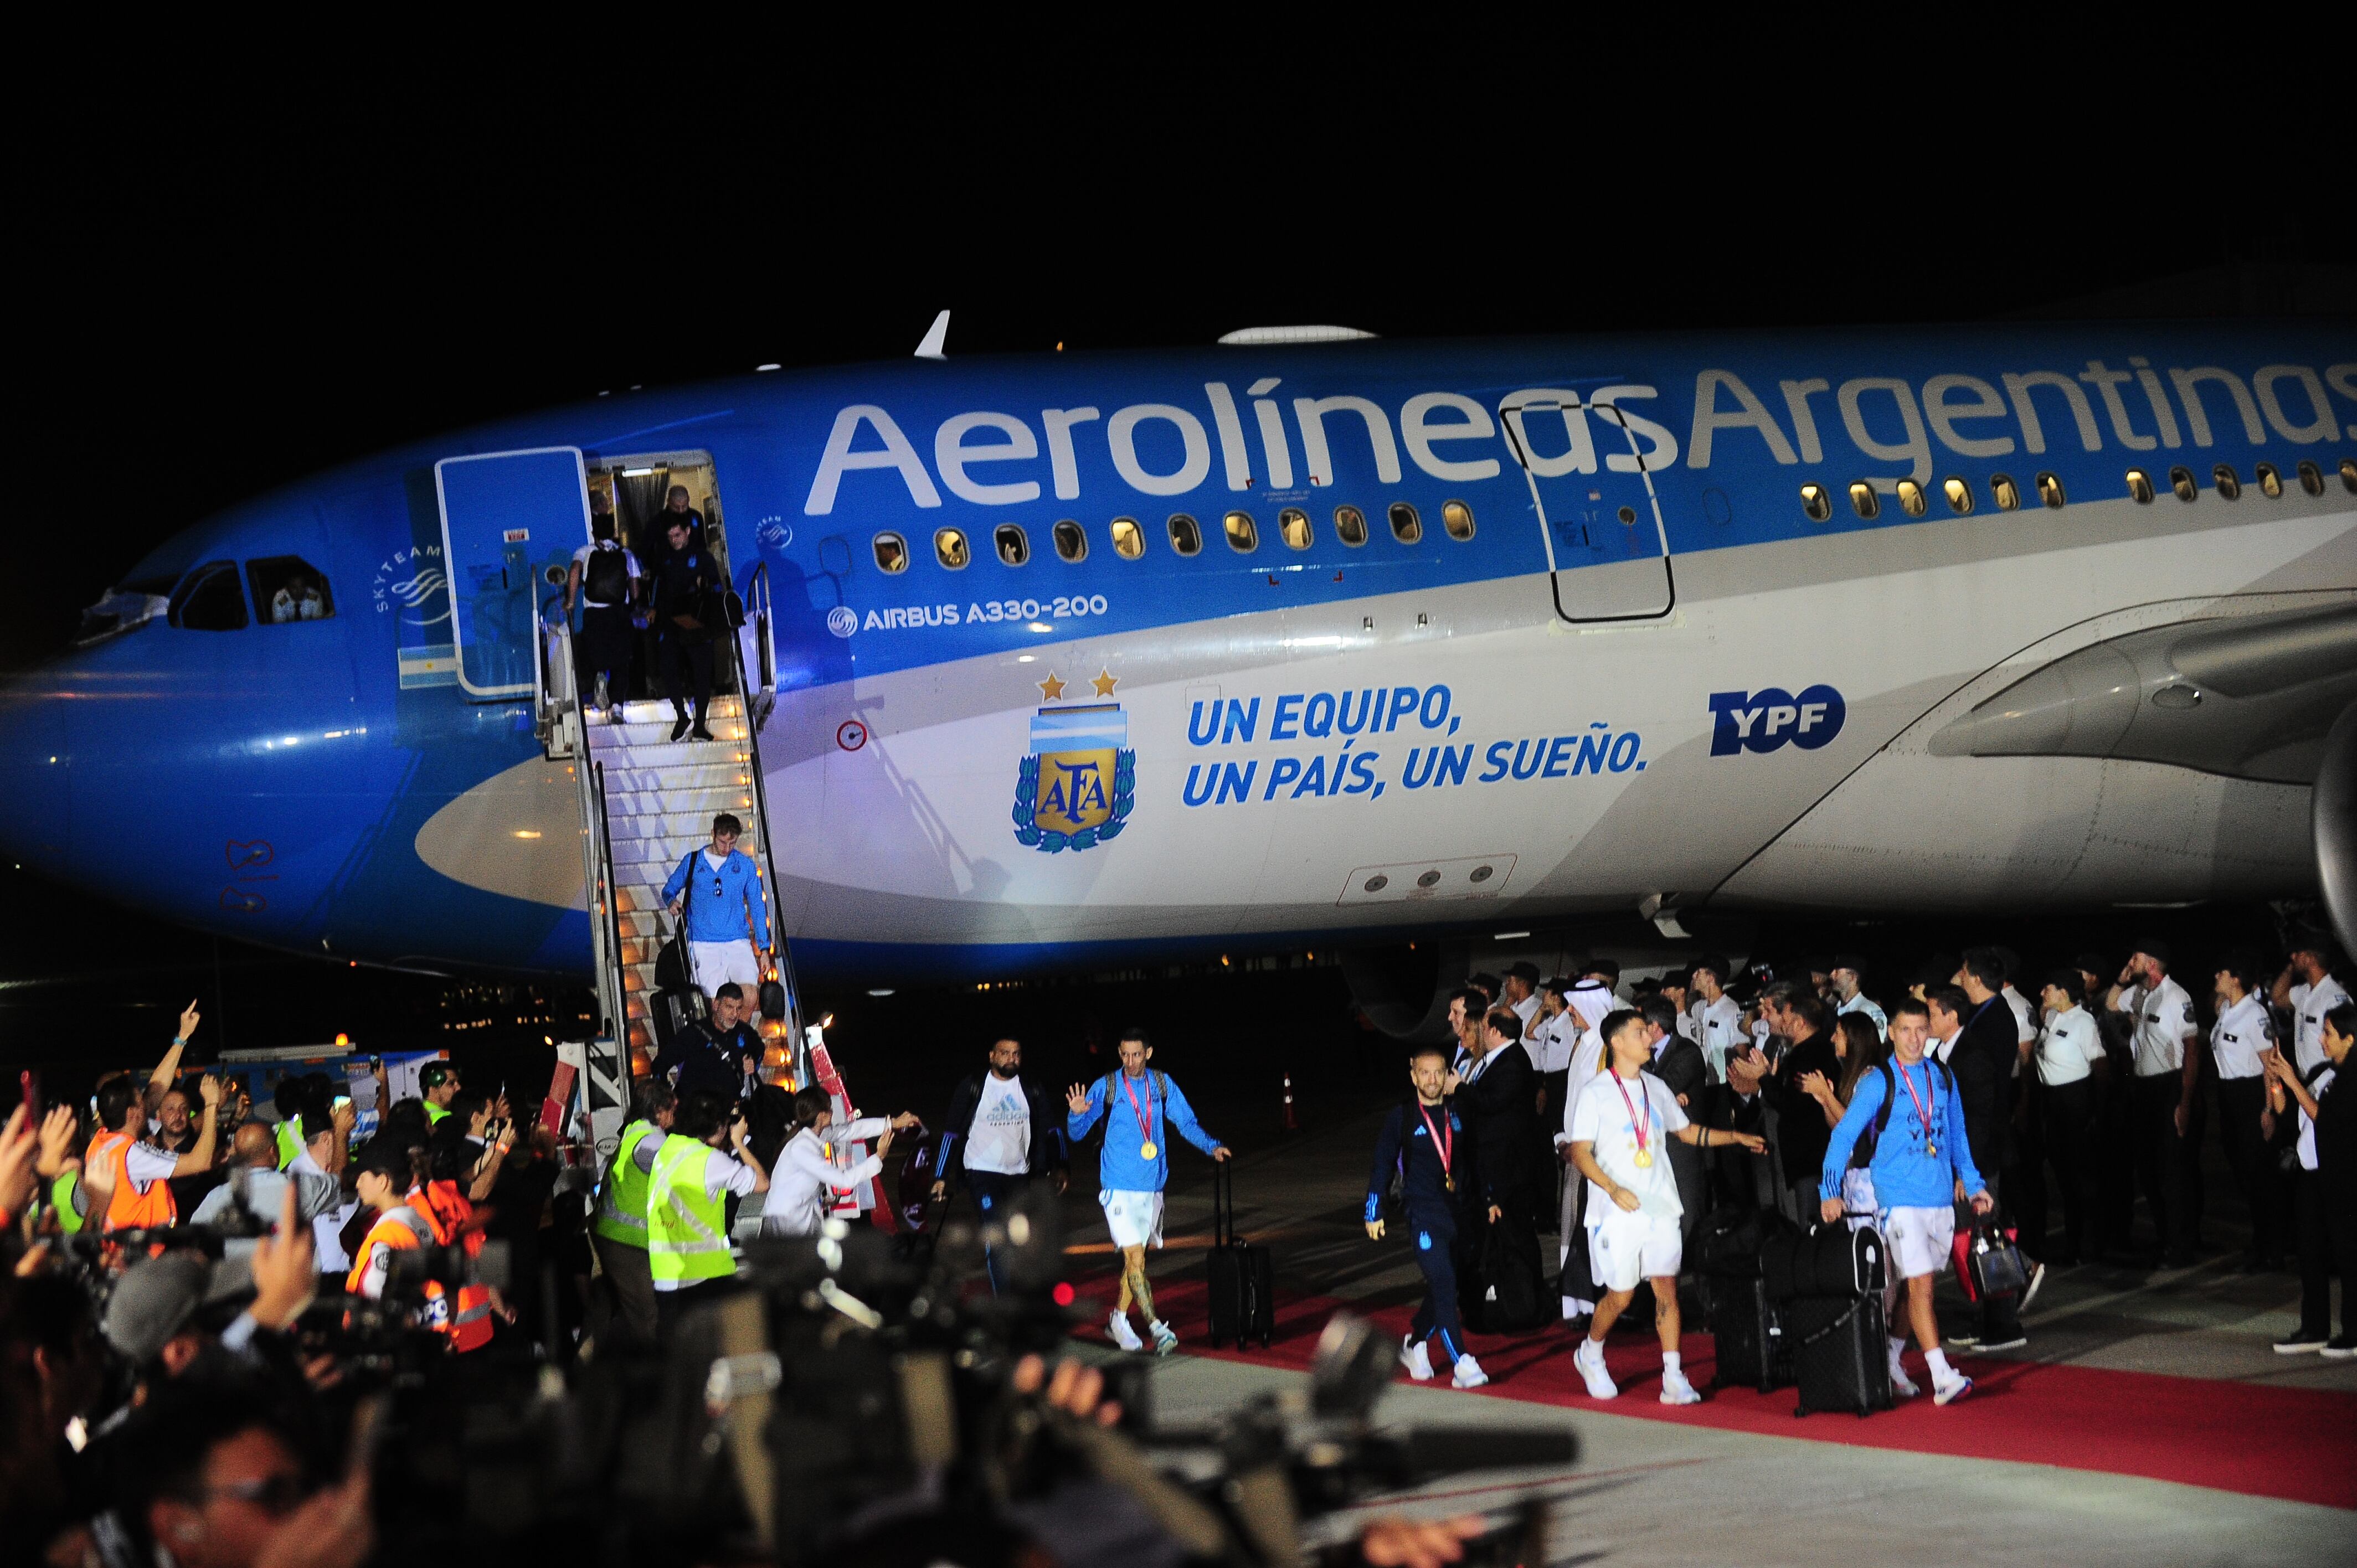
x,y
1444,1142
1639,1126
1144,1122
1922,1106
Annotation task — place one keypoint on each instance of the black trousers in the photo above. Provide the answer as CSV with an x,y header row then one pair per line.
x,y
2327,1235
2116,1162
2068,1132
2161,1158
686,658
2240,1102
993,1191
604,648
671,1306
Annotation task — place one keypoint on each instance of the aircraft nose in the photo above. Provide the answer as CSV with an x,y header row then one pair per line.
x,y
35,768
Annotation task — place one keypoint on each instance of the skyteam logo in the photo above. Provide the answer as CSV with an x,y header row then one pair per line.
x,y
1764,720
411,582
1077,786
843,621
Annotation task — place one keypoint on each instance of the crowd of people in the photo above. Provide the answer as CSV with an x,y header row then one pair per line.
x,y
1625,1118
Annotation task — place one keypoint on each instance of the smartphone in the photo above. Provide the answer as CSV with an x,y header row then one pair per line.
x,y
340,1102
28,1084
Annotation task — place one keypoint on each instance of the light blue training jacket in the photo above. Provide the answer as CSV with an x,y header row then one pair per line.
x,y
1119,1168
718,913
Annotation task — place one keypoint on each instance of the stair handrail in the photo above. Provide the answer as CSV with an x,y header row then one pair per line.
x,y
555,708
796,1048
612,993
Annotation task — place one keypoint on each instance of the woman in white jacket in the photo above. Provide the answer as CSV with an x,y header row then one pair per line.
x,y
806,1169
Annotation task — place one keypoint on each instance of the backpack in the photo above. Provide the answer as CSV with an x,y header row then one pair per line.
x,y
1871,1140
607,578
1160,1091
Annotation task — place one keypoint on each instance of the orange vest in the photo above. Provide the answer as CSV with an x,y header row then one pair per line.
x,y
129,1209
399,1230
448,1211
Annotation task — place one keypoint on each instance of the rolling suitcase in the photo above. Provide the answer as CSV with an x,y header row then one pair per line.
x,y
1242,1278
1748,1336
1840,1358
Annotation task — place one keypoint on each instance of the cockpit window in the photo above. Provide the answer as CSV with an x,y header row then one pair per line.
x,y
289,588
209,599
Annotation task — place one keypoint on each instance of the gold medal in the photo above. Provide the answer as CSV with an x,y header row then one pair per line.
x,y
1146,1150
1644,1159
1929,1147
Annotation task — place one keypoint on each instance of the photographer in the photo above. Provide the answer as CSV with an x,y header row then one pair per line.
x,y
806,1167
687,1219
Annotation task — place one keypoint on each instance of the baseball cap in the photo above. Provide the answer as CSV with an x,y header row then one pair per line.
x,y
156,1298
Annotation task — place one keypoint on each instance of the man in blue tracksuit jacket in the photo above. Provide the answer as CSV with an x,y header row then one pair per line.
x,y
718,890
1921,1163
1420,1140
1140,1108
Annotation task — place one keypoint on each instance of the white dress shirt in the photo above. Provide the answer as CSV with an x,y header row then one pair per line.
x,y
2241,1033
2311,1003
2070,1048
2162,1016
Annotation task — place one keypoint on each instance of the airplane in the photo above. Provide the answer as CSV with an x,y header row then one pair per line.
x,y
1303,638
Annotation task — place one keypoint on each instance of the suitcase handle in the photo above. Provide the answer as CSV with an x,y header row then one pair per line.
x,y
1223,1205
1822,1333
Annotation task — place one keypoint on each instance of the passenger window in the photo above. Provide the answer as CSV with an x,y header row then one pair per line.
x,y
1185,537
1014,545
1128,539
1912,500
1244,533
2311,477
949,548
1457,519
2050,489
1071,542
1293,527
2229,487
1406,527
2181,481
209,599
1959,494
2008,493
2140,486
1350,523
289,588
1816,503
2270,481
1864,501
891,553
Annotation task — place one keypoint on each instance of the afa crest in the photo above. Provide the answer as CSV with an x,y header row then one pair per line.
x,y
1076,788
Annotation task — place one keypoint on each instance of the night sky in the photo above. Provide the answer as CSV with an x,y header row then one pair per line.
x,y
228,276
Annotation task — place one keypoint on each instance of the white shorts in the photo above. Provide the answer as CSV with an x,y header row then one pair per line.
x,y
1134,1218
1626,1248
1919,1240
716,963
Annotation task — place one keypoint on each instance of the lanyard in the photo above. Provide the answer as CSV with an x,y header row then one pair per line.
x,y
1639,1126
1444,1144
1145,1123
1922,1102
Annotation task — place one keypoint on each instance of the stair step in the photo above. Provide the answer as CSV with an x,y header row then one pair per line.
x,y
684,824
650,710
649,863
664,754
624,799
606,737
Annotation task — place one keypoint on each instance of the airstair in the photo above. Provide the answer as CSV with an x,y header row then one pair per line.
x,y
646,801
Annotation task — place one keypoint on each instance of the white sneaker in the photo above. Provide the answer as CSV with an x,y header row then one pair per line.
x,y
1675,1390
1166,1340
1951,1391
1417,1357
1468,1373
1122,1334
1902,1384
1588,1359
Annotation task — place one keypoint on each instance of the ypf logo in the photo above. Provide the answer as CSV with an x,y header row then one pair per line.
x,y
1764,720
843,621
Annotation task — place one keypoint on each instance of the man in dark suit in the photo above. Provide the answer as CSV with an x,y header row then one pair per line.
x,y
1498,1097
1003,1132
1984,1059
1679,1063
1794,1121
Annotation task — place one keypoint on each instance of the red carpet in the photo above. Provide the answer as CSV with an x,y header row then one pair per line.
x,y
2295,1443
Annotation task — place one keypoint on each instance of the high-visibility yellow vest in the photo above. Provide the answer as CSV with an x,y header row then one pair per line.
x,y
290,1141
687,1230
434,1113
622,1200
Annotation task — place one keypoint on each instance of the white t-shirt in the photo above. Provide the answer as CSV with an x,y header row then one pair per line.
x,y
2163,1016
144,1163
1601,1118
1001,1138
1722,1033
2311,1003
2238,1036
2070,1048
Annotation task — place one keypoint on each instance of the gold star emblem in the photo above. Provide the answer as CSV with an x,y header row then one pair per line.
x,y
1105,681
1051,688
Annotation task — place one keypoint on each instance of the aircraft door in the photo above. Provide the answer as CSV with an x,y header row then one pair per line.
x,y
1608,549
508,518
